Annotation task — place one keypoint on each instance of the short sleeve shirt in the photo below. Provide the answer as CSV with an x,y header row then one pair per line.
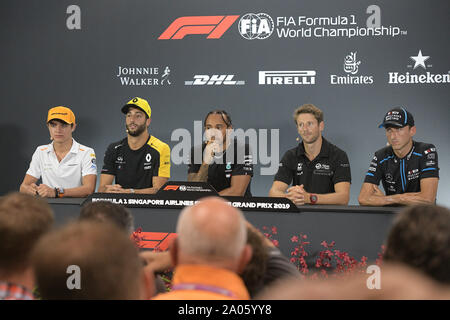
x,y
236,160
403,175
79,162
136,168
330,167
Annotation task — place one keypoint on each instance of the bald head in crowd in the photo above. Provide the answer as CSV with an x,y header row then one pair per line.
x,y
214,233
109,265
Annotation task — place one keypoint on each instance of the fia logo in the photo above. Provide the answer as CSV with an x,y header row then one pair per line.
x,y
255,26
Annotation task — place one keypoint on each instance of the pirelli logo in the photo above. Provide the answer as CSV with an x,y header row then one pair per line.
x,y
213,26
287,77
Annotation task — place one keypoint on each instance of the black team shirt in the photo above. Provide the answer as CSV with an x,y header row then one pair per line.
x,y
403,175
236,160
331,166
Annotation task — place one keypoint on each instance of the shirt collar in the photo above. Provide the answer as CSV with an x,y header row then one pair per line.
x,y
208,275
324,149
408,155
74,149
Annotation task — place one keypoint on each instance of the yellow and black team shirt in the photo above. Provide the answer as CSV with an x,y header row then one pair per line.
x,y
136,168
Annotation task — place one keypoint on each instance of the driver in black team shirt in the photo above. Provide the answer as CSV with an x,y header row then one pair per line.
x,y
140,163
223,162
318,170
408,169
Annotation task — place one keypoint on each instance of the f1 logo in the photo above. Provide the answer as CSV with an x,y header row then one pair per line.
x,y
171,187
213,26
160,240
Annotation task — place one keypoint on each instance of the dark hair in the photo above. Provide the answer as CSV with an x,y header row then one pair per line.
x,y
105,210
253,274
420,238
109,262
225,117
23,220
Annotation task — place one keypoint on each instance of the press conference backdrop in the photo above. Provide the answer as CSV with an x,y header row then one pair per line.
x,y
353,59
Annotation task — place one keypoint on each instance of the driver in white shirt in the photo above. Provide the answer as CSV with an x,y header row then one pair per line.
x,y
66,168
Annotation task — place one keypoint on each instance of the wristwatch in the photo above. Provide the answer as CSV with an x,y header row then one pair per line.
x,y
59,192
313,198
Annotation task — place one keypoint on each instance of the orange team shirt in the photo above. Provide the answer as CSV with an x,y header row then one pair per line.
x,y
201,282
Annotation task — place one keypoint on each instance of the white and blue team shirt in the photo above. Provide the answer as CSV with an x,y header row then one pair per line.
x,y
401,175
79,162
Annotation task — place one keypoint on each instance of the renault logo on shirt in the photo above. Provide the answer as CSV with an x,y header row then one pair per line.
x,y
148,164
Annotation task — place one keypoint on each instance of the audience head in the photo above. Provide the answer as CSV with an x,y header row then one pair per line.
x,y
107,211
108,261
397,282
23,220
420,238
214,233
253,274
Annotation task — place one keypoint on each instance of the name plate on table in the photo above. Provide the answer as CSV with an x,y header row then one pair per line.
x,y
184,189
177,195
139,200
262,204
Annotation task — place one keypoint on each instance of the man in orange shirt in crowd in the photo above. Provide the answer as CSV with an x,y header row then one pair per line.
x,y
209,253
